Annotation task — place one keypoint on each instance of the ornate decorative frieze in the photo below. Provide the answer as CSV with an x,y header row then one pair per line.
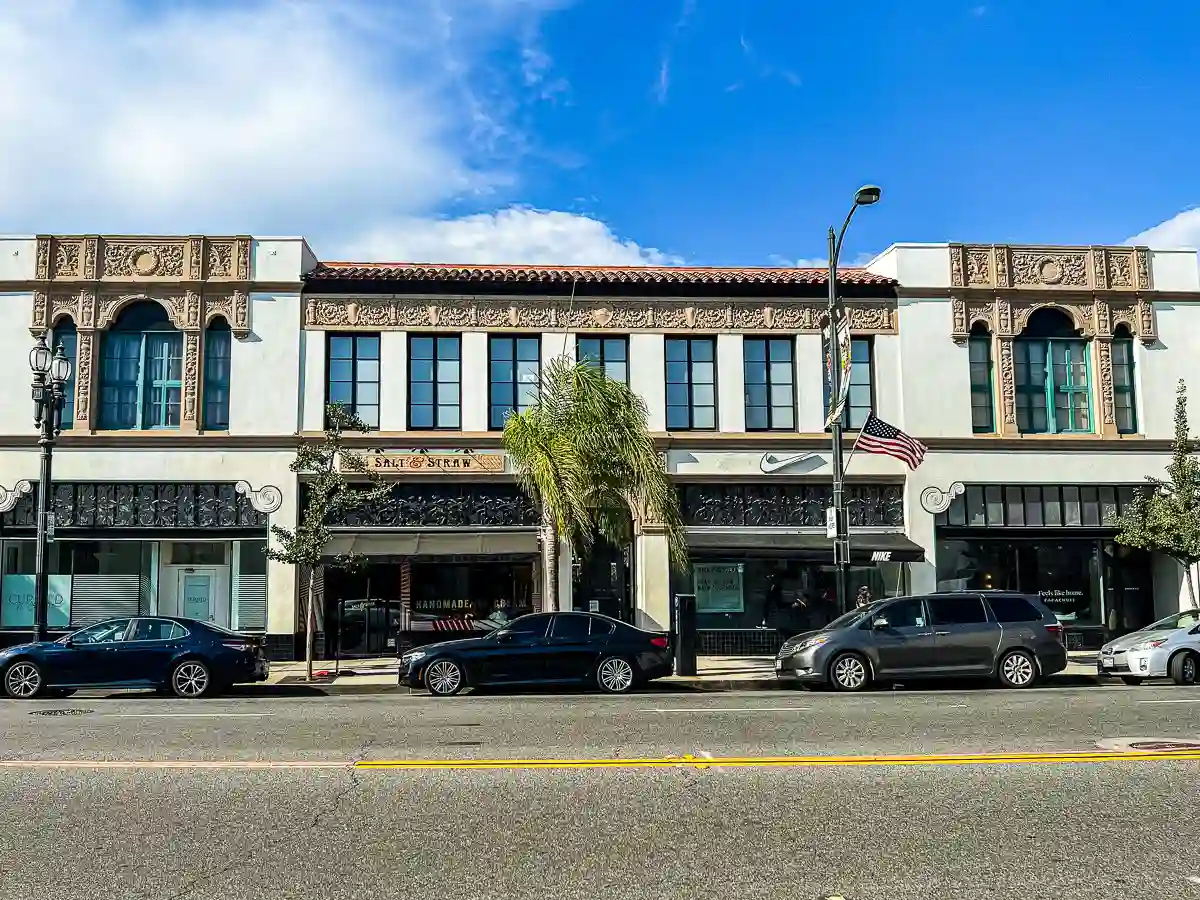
x,y
788,505
140,505
431,504
535,314
1003,267
124,259
1093,316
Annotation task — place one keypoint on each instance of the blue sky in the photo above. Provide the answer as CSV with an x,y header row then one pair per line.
x,y
701,131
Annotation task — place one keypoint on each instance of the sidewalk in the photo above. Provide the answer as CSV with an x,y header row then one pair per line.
x,y
713,673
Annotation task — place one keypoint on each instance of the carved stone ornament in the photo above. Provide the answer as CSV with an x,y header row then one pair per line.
x,y
1007,314
534,314
92,257
935,500
1055,268
8,499
267,499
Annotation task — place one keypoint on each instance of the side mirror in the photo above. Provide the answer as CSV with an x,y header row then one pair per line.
x,y
1195,630
879,622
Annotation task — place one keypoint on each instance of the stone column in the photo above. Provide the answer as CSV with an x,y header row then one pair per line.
x,y
191,413
1105,416
652,580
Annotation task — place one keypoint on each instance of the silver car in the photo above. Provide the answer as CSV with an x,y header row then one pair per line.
x,y
1169,648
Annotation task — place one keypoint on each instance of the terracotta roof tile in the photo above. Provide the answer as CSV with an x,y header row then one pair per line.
x,y
357,271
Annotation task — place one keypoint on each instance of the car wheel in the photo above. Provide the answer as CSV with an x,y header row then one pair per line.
x,y
1131,680
23,680
444,678
615,675
191,679
1184,668
1018,669
849,672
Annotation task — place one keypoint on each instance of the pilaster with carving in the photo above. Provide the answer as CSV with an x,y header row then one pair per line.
x,y
87,349
1102,361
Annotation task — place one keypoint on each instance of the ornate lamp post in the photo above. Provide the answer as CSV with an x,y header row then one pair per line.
x,y
865,196
51,372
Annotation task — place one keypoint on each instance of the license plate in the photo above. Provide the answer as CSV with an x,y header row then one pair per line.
x,y
778,664
1108,662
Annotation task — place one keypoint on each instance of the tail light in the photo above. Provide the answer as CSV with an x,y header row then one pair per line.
x,y
1056,631
240,646
660,642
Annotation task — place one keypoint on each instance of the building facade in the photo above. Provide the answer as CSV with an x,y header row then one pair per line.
x,y
1042,380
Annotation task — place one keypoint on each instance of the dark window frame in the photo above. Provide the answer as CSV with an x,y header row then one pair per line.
x,y
435,337
353,406
516,380
848,423
767,341
1128,390
601,361
216,412
690,341
982,387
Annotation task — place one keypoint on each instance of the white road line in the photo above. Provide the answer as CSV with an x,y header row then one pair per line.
x,y
734,709
185,715
1168,701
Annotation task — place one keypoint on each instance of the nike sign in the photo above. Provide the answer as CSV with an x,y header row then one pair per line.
x,y
772,463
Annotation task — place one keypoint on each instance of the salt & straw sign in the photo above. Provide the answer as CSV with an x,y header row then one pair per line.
x,y
409,463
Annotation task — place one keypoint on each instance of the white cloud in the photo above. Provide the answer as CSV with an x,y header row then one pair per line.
x,y
514,235
821,262
329,118
1181,231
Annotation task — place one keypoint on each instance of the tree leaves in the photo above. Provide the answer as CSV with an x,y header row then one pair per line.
x,y
585,453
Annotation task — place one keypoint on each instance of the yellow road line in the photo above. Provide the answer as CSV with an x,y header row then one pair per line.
x,y
788,761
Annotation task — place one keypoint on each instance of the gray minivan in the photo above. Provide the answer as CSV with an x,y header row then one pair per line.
x,y
995,634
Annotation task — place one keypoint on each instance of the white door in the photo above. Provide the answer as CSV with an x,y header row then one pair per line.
x,y
198,594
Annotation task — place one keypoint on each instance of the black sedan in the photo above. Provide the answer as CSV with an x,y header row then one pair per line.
x,y
184,656
544,648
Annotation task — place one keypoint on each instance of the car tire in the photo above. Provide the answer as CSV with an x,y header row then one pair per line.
x,y
849,672
1184,668
1017,669
1132,680
23,680
615,675
191,679
444,677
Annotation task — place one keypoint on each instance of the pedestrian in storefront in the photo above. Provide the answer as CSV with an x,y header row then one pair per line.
x,y
863,598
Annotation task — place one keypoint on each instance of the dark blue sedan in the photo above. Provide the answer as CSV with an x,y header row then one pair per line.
x,y
183,656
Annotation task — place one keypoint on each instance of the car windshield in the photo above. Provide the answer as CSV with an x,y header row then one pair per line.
x,y
1174,622
854,615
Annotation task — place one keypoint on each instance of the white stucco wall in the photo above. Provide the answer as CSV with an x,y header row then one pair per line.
x,y
393,381
731,384
648,376
930,375
474,381
810,392
265,368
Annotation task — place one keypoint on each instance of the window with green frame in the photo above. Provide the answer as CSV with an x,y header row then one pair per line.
x,y
141,370
983,403
1052,374
1124,399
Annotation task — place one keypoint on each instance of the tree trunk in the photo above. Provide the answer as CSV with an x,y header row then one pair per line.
x,y
549,563
310,624
1191,584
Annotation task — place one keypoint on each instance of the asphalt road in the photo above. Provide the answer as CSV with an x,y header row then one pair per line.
x,y
195,801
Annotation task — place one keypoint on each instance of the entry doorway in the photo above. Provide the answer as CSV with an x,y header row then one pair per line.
x,y
198,592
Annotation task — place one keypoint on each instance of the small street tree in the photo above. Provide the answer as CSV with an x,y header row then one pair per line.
x,y
1164,517
324,466
585,456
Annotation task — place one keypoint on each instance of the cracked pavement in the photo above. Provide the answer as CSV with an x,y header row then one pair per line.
x,y
888,832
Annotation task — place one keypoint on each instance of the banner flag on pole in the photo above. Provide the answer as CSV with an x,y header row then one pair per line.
x,y
838,407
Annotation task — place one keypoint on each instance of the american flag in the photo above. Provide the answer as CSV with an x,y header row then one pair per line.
x,y
877,436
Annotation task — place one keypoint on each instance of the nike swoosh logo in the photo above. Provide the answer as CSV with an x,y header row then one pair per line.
x,y
771,463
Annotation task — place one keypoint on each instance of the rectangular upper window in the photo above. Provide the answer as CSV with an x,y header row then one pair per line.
x,y
141,380
218,344
65,334
353,375
861,398
514,376
770,375
983,416
1052,386
435,382
691,384
608,353
1123,391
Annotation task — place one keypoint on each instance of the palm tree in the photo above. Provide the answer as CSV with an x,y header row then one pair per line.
x,y
584,454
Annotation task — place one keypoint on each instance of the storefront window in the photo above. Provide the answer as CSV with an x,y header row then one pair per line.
x,y
1063,573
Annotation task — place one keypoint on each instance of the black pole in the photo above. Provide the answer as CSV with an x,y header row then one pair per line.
x,y
841,541
41,560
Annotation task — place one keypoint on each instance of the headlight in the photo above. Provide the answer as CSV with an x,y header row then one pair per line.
x,y
412,656
1148,645
808,644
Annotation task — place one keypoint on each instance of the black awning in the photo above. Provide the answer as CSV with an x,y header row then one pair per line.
x,y
864,548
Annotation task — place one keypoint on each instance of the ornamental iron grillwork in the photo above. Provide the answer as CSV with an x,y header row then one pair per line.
x,y
440,505
140,505
788,505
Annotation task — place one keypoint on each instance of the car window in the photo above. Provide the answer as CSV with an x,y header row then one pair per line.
x,y
157,630
956,610
529,624
102,632
1177,621
601,626
907,613
1013,609
571,628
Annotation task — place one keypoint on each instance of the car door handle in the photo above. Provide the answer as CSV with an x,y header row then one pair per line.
x,y
941,633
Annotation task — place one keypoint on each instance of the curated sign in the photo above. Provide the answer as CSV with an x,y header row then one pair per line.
x,y
17,593
407,463
718,587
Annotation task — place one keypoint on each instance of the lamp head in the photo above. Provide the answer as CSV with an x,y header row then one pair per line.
x,y
60,366
39,357
866,195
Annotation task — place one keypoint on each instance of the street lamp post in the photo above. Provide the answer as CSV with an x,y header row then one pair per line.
x,y
51,372
865,196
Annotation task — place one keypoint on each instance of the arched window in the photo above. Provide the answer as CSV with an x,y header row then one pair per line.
x,y
1124,397
217,347
1052,376
141,370
983,404
64,333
